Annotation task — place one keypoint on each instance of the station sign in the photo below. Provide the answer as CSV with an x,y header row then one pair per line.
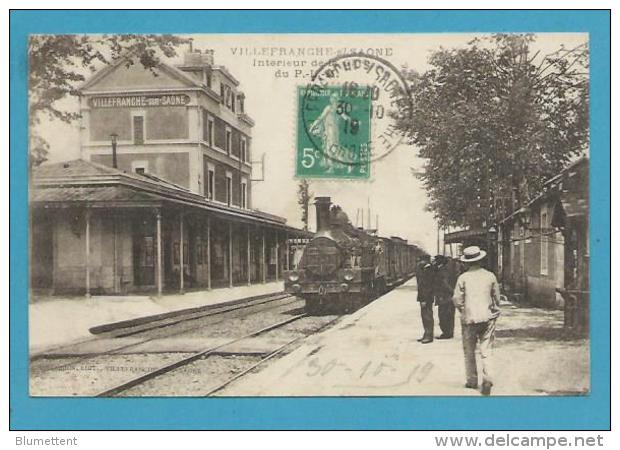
x,y
298,241
139,101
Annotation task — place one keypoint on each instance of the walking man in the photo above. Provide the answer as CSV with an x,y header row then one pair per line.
x,y
476,296
446,275
425,278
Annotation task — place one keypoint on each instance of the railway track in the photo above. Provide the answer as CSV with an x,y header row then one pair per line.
x,y
274,353
192,314
200,353
162,360
246,308
111,392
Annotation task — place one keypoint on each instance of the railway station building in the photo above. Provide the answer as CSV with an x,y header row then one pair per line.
x,y
540,250
544,248
161,198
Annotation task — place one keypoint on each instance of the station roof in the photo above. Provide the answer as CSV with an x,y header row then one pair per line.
x,y
80,183
97,196
459,236
572,194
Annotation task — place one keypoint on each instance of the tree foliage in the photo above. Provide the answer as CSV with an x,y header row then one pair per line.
x,y
494,120
58,64
304,196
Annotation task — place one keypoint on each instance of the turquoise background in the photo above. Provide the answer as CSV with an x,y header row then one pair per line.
x,y
432,413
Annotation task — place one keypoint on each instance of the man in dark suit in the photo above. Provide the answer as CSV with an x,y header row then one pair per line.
x,y
445,280
425,275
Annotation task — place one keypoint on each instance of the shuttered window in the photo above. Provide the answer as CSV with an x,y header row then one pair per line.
x,y
244,149
228,141
138,129
211,184
228,189
244,194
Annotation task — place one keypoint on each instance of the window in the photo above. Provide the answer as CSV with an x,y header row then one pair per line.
x,y
207,128
232,101
211,131
228,188
176,254
210,186
244,149
140,167
199,250
138,129
146,252
544,243
228,140
244,194
205,252
228,93
241,104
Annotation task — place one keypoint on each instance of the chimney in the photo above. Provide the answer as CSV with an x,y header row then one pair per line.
x,y
207,57
196,57
322,213
193,58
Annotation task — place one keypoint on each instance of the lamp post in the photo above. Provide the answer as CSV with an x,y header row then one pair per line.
x,y
491,236
525,216
113,138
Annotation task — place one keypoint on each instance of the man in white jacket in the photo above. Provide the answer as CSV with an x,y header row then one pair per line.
x,y
476,296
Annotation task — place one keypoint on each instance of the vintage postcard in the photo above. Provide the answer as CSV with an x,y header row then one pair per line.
x,y
333,215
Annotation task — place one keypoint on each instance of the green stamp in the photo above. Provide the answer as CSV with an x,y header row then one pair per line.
x,y
333,132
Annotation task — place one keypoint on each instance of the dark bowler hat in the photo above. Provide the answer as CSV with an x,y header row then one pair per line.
x,y
441,259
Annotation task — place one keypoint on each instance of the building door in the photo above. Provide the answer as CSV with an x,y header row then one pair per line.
x,y
42,256
193,240
219,254
144,254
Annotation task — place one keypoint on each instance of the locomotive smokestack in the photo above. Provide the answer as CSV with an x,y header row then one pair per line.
x,y
322,212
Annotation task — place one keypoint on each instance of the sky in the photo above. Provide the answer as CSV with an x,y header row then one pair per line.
x,y
392,192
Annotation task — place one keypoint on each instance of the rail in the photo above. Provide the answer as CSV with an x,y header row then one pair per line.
x,y
119,348
189,359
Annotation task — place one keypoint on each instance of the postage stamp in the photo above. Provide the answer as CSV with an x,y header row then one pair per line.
x,y
333,132
348,115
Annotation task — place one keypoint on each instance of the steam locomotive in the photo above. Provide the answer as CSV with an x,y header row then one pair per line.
x,y
343,267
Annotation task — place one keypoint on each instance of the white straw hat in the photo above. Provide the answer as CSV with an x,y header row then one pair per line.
x,y
473,254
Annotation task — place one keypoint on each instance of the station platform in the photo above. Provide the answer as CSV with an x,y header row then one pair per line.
x,y
374,352
57,321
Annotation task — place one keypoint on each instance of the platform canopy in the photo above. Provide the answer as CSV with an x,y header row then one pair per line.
x,y
460,236
85,184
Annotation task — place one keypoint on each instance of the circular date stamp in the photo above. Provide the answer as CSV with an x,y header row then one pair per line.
x,y
347,116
